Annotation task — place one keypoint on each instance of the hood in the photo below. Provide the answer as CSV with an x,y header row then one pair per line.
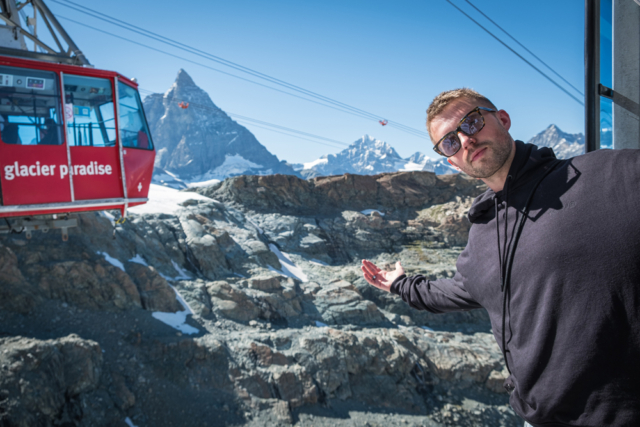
x,y
527,161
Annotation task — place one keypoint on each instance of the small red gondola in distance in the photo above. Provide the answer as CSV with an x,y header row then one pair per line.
x,y
383,122
183,105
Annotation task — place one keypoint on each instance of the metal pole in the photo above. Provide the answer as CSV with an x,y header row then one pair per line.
x,y
65,139
592,74
116,94
72,46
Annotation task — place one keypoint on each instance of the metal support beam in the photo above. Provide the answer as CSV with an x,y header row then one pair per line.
x,y
592,74
41,51
626,74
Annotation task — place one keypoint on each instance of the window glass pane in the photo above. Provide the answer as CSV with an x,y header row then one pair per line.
x,y
606,123
89,111
606,67
133,126
29,107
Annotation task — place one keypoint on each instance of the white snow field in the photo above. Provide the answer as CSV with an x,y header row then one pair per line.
x,y
165,200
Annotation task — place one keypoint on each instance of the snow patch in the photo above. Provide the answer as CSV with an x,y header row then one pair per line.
x,y
320,324
112,260
234,165
426,328
260,230
411,166
165,200
182,274
139,260
128,422
109,217
289,267
206,183
177,320
316,162
369,211
318,262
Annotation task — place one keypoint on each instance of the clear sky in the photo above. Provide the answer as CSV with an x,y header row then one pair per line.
x,y
387,58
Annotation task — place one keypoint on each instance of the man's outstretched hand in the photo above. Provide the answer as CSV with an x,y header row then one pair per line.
x,y
381,279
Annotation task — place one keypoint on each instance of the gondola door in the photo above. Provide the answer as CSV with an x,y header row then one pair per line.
x,y
34,162
92,137
137,147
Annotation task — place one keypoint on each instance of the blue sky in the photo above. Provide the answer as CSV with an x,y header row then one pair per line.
x,y
388,58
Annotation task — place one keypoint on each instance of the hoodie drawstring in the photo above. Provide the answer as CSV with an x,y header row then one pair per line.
x,y
508,252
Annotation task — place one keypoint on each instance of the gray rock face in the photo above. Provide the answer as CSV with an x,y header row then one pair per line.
x,y
50,381
202,141
277,327
564,145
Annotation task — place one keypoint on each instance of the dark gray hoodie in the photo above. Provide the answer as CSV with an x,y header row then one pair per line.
x,y
571,278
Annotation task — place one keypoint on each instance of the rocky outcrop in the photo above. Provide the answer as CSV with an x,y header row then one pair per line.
x,y
327,195
232,312
51,382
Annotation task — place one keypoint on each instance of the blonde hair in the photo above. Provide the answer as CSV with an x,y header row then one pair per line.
x,y
441,101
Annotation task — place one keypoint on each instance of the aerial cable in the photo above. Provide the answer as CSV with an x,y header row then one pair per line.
x,y
200,64
223,61
254,121
198,52
524,47
516,53
342,106
410,130
287,134
287,129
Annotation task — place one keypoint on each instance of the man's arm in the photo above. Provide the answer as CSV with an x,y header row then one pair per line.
x,y
436,296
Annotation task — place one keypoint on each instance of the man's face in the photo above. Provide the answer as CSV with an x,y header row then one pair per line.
x,y
482,155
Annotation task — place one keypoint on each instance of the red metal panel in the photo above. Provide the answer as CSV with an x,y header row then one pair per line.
x,y
34,174
71,69
138,166
33,183
96,173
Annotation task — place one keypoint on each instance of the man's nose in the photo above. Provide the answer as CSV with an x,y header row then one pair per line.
x,y
466,140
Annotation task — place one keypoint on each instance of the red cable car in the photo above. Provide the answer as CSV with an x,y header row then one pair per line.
x,y
72,139
383,122
183,105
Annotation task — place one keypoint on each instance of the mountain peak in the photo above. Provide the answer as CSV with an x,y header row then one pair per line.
x,y
199,141
184,79
370,156
565,145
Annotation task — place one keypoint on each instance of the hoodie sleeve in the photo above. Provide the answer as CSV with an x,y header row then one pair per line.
x,y
436,296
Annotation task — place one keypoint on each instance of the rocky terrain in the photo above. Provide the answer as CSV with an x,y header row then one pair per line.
x,y
247,307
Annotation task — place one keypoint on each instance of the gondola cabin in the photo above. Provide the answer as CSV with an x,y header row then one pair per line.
x,y
72,139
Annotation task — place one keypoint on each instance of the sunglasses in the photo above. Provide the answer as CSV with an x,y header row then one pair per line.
x,y
470,124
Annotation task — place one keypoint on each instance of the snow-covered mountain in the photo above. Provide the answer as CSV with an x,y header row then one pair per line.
x,y
564,145
370,156
201,142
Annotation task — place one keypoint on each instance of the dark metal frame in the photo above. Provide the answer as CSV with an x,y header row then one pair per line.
x,y
10,17
592,74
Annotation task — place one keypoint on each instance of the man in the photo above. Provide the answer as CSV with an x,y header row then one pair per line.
x,y
553,256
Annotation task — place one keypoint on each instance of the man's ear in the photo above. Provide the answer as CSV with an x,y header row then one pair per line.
x,y
504,118
454,165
